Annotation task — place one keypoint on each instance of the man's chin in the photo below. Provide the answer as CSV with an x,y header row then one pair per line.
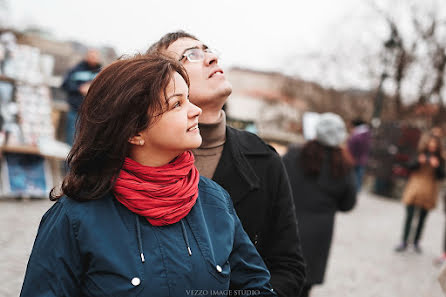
x,y
225,90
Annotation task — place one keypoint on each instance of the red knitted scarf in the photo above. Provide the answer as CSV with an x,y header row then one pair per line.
x,y
165,194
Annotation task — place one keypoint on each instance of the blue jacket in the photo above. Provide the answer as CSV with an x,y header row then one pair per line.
x,y
100,248
80,74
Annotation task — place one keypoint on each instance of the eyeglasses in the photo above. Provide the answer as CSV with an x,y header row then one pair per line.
x,y
197,54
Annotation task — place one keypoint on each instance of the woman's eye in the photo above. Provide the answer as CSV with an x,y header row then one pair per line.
x,y
177,104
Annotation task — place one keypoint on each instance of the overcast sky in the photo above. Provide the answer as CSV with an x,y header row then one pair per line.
x,y
265,35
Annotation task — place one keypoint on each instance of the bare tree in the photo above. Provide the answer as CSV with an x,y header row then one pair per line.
x,y
437,56
397,57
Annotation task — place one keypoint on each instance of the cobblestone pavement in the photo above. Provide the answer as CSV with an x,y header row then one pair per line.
x,y
362,262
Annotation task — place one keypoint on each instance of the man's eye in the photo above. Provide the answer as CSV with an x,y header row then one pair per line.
x,y
194,55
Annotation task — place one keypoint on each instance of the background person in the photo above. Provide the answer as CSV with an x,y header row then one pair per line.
x,y
76,84
136,219
323,182
421,191
359,147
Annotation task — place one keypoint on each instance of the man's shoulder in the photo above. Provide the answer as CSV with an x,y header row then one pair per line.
x,y
83,66
249,143
210,186
79,66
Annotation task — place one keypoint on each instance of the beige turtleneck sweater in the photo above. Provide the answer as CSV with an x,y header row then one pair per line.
x,y
209,153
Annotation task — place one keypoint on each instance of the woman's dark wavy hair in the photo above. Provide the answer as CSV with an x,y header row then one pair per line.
x,y
122,101
313,155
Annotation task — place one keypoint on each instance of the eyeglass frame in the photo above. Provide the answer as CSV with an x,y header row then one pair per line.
x,y
203,51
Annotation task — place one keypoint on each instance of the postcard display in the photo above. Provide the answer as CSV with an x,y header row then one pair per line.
x,y
25,118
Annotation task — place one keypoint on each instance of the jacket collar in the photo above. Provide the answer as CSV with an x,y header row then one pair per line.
x,y
234,161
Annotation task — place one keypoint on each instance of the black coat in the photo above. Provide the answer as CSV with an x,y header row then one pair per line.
x,y
253,174
316,201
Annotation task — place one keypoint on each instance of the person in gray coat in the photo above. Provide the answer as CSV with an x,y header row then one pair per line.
x,y
323,182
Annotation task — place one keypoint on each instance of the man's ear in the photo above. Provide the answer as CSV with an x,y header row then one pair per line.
x,y
137,139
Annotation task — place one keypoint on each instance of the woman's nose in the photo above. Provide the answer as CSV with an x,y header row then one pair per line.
x,y
194,111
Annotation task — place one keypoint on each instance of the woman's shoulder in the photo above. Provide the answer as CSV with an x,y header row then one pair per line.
x,y
76,209
212,193
72,203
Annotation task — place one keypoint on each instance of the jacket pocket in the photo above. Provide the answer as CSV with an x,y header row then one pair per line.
x,y
222,272
113,284
116,271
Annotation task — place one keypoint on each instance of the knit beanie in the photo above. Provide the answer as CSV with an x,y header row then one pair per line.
x,y
330,130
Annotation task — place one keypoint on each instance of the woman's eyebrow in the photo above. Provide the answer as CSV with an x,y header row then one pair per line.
x,y
174,95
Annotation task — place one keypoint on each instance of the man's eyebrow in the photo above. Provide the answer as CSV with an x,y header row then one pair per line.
x,y
189,48
203,46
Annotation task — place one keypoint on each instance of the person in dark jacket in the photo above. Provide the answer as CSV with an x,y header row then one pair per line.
x,y
323,182
134,218
76,84
421,192
239,161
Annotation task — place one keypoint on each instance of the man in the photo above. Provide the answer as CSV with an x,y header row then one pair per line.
x,y
250,170
76,84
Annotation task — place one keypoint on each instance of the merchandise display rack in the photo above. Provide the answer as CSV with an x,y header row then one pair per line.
x,y
31,160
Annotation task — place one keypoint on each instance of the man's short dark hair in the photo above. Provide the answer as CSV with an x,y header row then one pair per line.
x,y
167,40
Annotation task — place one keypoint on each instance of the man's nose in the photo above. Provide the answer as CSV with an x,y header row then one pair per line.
x,y
210,58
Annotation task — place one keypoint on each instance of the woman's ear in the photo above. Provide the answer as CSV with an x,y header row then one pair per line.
x,y
137,139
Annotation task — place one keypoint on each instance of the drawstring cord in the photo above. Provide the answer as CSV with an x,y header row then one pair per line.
x,y
139,238
138,232
185,238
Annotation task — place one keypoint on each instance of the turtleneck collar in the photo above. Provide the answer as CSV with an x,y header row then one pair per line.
x,y
213,134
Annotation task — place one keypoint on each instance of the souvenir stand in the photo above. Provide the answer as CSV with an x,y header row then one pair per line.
x,y
31,158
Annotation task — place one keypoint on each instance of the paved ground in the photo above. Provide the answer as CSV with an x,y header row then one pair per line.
x,y
19,220
362,262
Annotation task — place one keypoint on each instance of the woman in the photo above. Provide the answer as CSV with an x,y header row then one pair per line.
x,y
420,194
135,218
323,182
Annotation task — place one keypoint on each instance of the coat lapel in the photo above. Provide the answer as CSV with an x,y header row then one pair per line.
x,y
234,173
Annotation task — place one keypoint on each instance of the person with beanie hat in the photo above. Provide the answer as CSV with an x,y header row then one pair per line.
x,y
323,182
